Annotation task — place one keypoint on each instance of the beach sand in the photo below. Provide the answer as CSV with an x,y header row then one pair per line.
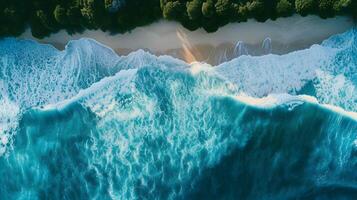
x,y
170,38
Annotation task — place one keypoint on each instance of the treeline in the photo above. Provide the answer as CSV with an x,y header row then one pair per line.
x,y
49,16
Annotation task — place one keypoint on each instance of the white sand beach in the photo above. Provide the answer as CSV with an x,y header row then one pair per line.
x,y
163,37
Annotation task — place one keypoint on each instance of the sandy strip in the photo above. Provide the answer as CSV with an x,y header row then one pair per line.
x,y
163,37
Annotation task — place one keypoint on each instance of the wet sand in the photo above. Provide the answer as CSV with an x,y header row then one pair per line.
x,y
170,38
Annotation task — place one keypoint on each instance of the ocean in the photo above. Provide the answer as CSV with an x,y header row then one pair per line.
x,y
86,123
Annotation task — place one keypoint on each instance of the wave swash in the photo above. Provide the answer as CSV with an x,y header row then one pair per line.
x,y
85,123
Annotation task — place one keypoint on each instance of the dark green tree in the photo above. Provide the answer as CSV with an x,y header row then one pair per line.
x,y
343,5
194,9
211,25
60,14
173,10
305,7
108,4
208,9
326,7
13,15
284,8
256,10
223,7
241,12
48,16
74,15
41,24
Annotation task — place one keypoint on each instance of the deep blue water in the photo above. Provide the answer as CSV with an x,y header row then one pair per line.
x,y
85,123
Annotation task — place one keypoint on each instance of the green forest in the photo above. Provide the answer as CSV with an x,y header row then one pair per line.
x,y
117,16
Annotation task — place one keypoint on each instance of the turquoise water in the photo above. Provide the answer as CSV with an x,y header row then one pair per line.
x,y
85,123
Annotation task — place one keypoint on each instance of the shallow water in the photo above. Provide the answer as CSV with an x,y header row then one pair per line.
x,y
85,123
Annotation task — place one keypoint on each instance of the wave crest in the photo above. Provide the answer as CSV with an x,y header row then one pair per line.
x,y
141,126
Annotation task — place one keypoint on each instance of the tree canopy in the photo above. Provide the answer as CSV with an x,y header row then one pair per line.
x,y
49,16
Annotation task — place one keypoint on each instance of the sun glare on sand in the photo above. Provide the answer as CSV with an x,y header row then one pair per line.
x,y
189,52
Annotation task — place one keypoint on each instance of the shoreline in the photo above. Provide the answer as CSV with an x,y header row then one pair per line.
x,y
170,38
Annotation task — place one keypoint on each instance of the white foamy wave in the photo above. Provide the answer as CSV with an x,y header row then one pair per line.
x,y
336,90
9,116
158,126
260,76
271,101
37,75
331,67
34,75
291,102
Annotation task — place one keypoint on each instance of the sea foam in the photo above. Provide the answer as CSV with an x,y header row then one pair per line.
x,y
86,123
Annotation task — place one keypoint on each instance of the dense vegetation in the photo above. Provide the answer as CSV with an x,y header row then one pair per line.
x,y
48,16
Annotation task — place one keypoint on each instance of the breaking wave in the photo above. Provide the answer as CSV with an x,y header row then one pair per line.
x,y
85,123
